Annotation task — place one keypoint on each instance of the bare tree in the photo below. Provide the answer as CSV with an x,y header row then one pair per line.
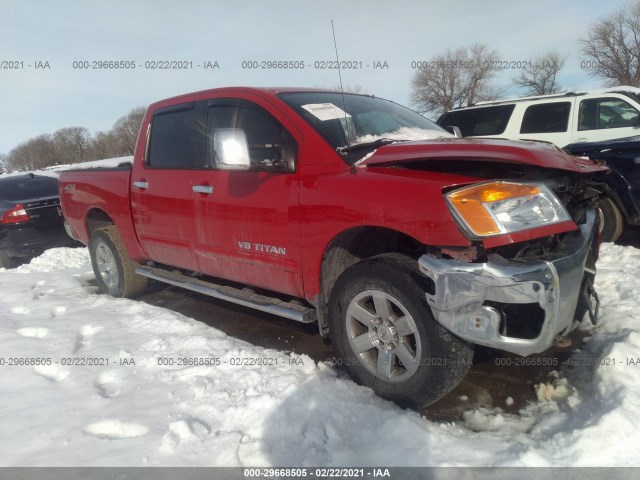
x,y
75,145
126,130
540,77
72,144
104,145
4,163
612,47
38,152
456,78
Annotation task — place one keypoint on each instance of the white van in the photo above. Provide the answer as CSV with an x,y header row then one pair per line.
x,y
565,118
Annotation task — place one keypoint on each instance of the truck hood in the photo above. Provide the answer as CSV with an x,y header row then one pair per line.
x,y
540,154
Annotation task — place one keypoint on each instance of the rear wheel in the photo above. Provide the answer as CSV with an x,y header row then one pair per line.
x,y
6,261
114,270
386,337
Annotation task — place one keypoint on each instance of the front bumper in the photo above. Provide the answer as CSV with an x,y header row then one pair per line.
x,y
466,294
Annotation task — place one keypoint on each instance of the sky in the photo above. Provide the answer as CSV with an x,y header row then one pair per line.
x,y
53,43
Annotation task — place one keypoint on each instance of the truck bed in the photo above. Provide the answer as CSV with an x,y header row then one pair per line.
x,y
105,188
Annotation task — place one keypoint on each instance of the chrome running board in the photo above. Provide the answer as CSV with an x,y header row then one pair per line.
x,y
245,297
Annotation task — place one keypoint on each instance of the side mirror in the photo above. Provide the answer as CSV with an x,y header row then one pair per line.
x,y
230,149
454,130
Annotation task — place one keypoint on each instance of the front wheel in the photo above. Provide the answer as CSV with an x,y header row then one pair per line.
x,y
611,220
114,270
386,337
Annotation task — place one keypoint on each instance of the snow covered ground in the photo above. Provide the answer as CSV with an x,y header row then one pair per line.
x,y
136,409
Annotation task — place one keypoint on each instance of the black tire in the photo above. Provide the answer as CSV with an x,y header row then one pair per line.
x,y
399,324
6,261
611,220
114,270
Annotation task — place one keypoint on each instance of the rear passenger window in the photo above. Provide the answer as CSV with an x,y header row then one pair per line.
x,y
177,138
546,118
479,121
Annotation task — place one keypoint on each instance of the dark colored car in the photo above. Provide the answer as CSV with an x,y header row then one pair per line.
x,y
30,217
622,206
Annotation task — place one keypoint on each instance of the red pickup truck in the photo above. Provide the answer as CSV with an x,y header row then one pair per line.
x,y
406,245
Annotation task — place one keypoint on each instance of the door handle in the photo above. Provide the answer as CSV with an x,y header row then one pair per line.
x,y
143,185
206,189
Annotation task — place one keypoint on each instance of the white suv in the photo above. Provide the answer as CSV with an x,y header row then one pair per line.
x,y
565,118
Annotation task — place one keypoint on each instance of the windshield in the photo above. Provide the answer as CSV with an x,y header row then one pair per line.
x,y
348,120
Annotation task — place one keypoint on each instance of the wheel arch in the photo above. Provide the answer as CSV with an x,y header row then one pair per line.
x,y
620,193
97,218
352,246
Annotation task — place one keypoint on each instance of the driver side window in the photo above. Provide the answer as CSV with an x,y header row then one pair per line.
x,y
271,146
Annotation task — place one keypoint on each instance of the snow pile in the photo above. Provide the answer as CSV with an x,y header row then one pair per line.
x,y
406,133
55,170
588,413
157,388
621,88
402,134
559,389
107,162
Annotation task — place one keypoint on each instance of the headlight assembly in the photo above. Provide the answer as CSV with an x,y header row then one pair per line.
x,y
504,207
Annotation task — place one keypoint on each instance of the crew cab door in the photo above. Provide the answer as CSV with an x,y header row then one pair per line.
x,y
247,225
161,190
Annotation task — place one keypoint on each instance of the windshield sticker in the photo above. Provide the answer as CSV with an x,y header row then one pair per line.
x,y
325,111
